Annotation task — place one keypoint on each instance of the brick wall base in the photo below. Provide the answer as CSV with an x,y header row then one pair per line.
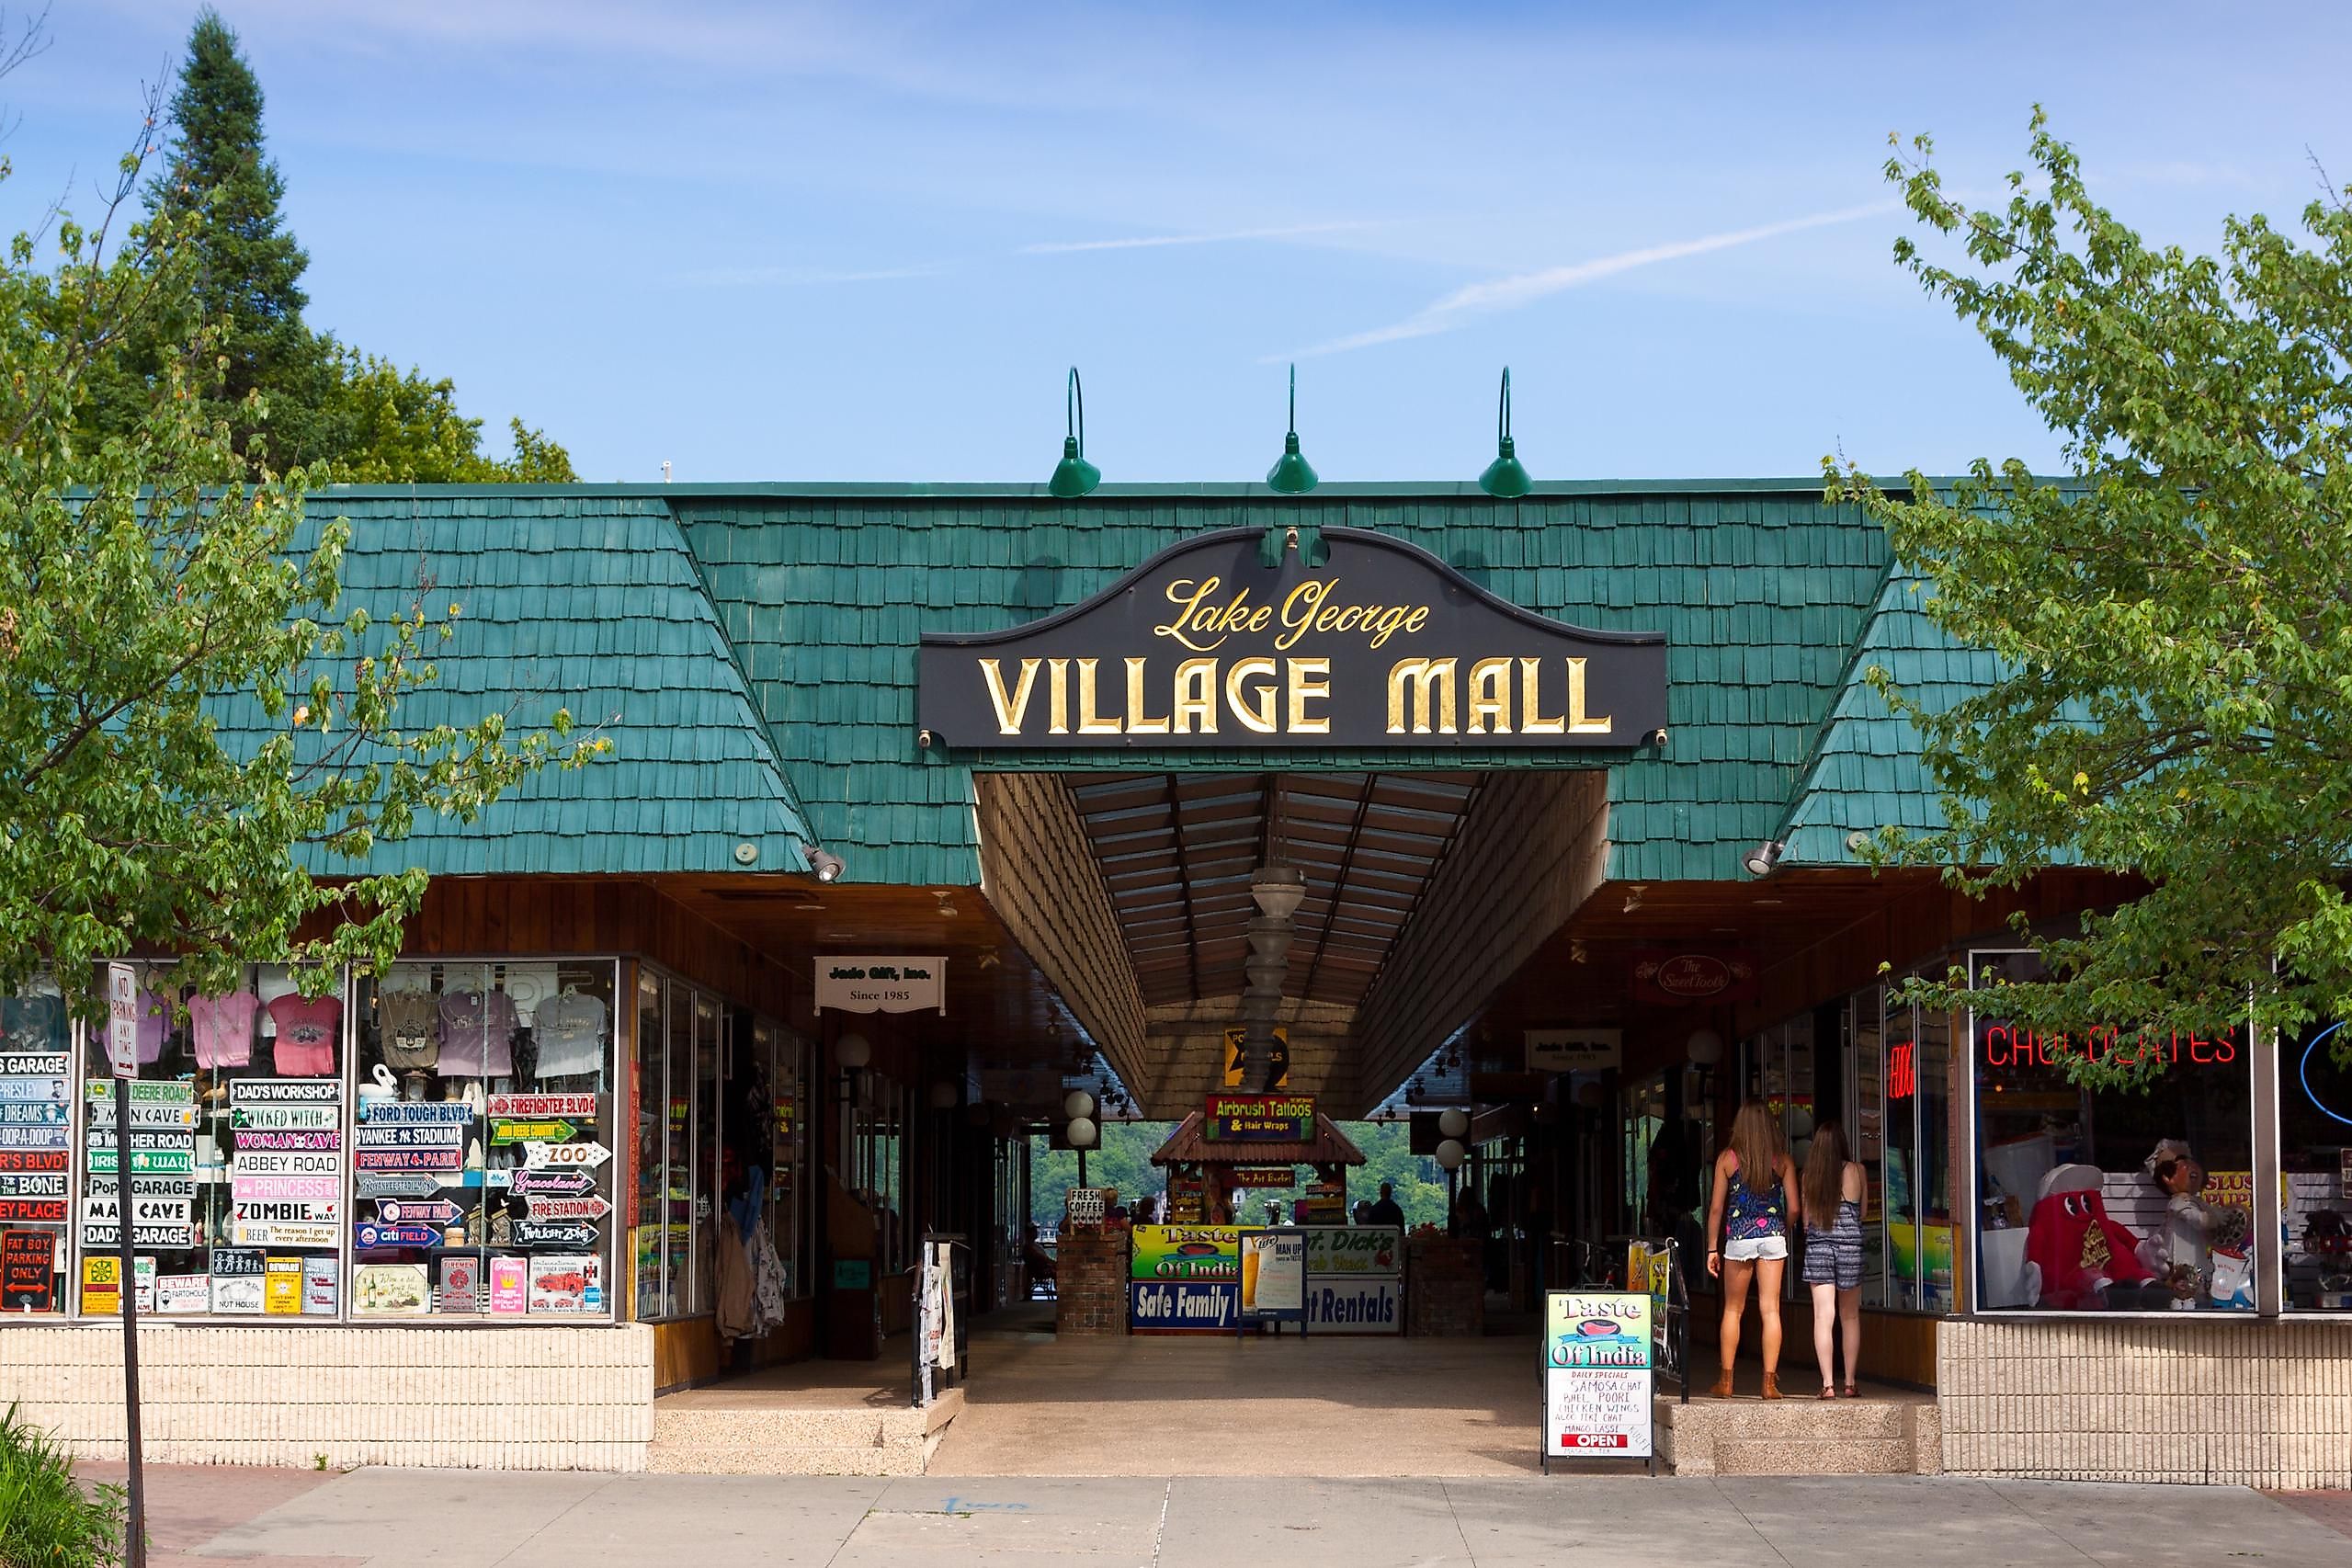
x,y
490,1398
1445,1288
2206,1399
1090,1281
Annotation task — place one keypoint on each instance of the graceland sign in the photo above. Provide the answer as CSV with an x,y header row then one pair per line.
x,y
1383,645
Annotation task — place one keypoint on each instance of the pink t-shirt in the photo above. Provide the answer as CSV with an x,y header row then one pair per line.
x,y
155,1023
307,1029
223,1027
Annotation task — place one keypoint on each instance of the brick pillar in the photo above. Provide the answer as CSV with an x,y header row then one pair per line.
x,y
1445,1288
1090,1281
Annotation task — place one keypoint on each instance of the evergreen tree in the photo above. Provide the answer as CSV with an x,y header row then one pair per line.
x,y
289,396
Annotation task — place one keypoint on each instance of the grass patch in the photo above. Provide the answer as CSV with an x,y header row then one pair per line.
x,y
47,1520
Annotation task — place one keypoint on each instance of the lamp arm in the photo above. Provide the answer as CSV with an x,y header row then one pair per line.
x,y
1074,410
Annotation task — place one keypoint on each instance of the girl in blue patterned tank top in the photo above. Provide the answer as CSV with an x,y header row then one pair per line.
x,y
1755,1205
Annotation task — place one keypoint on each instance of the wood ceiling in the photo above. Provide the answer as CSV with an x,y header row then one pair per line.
x,y
1177,851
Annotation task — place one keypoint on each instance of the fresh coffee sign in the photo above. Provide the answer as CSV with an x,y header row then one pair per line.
x,y
1383,645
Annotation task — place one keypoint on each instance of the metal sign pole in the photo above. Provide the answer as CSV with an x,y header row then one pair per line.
x,y
123,1050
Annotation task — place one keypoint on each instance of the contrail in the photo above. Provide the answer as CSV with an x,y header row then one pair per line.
x,y
1510,293
1064,247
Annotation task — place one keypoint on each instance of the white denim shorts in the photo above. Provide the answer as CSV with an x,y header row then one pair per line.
x,y
1751,1249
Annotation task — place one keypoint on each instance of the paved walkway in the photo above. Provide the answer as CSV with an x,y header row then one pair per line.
x,y
206,1519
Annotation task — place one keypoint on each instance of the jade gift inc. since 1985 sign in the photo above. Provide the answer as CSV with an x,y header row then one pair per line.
x,y
868,984
1382,644
1596,1374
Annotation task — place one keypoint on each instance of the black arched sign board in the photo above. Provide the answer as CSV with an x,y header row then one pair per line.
x,y
1383,645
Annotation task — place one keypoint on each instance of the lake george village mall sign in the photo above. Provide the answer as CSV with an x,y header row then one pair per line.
x,y
1381,645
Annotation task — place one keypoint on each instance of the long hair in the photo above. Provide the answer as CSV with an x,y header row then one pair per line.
x,y
1824,1174
1756,1138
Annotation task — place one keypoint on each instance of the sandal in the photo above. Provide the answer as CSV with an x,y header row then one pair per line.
x,y
1851,1393
1827,1391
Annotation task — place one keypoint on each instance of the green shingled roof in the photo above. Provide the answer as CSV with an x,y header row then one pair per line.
x,y
584,600
1761,589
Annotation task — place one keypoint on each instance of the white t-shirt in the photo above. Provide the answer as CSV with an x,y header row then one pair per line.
x,y
570,1030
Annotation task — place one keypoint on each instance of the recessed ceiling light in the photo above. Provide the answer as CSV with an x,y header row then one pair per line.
x,y
1770,903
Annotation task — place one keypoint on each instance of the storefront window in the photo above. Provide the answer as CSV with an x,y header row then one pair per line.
x,y
482,1153
36,1147
790,1218
1868,1065
233,1182
2135,1199
2315,1171
650,1227
704,1062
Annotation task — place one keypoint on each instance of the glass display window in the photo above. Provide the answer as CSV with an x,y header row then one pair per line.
x,y
482,1152
2131,1198
2316,1170
36,1150
232,1181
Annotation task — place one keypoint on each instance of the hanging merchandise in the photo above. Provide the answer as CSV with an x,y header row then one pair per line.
x,y
477,1035
570,1030
307,1031
410,1023
224,1029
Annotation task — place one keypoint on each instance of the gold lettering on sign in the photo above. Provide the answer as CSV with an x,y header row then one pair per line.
x,y
1531,719
1259,717
1301,689
1196,697
1058,693
1137,722
1579,722
1299,610
1009,710
1490,697
1090,721
1424,674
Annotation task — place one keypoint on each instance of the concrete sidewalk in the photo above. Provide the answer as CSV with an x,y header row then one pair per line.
x,y
518,1519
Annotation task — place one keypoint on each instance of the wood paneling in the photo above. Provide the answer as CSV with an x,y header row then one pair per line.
x,y
1897,1347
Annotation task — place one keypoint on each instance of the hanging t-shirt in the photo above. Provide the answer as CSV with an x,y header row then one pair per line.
x,y
477,1035
33,1023
306,1035
223,1027
155,1023
410,1022
570,1030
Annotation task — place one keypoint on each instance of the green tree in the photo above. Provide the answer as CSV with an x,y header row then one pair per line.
x,y
140,612
399,428
291,397
2173,629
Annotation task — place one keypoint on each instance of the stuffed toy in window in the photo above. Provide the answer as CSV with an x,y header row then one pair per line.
x,y
2074,1252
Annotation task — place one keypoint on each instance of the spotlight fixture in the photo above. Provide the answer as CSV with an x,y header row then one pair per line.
x,y
1505,478
1764,857
1073,476
827,867
1291,473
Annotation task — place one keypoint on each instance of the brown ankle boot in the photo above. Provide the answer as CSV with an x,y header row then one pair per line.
x,y
1771,1386
1724,1386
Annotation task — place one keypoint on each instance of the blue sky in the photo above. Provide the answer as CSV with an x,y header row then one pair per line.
x,y
769,242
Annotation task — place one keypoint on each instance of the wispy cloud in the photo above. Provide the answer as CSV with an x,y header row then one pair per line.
x,y
1465,305
800,277
1148,241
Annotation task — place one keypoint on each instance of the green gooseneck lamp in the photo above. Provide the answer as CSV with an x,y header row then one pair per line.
x,y
1292,475
1073,476
1506,477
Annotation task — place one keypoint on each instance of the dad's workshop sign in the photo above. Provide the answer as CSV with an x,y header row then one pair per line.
x,y
1381,645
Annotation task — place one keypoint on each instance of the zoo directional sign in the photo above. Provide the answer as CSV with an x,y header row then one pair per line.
x,y
1204,645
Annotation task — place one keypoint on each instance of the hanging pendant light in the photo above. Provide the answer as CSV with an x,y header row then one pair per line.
x,y
1291,473
1073,476
1506,477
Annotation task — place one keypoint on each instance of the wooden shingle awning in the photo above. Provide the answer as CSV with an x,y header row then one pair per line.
x,y
1187,1146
